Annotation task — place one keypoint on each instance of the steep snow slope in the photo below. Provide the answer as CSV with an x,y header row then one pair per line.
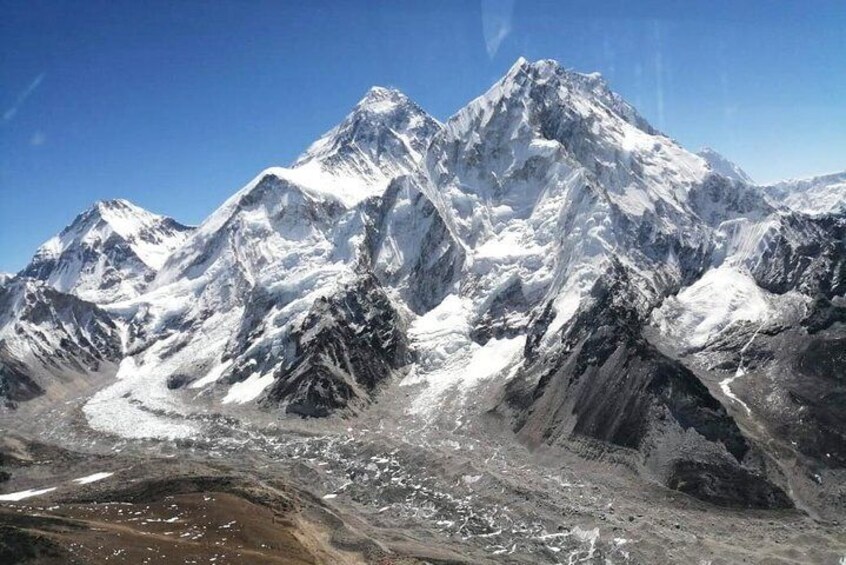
x,y
543,120
548,177
385,136
108,253
723,166
818,195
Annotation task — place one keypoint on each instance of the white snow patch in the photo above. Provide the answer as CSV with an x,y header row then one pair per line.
x,y
248,389
508,246
212,375
723,297
570,297
93,478
449,361
15,496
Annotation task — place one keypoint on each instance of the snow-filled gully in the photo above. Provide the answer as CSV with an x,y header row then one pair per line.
x,y
725,384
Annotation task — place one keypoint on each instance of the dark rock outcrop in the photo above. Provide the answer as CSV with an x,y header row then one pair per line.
x,y
606,382
347,344
48,337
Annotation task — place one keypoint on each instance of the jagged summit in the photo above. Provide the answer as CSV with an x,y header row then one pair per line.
x,y
548,67
381,112
109,252
720,165
384,136
382,100
116,204
592,85
541,112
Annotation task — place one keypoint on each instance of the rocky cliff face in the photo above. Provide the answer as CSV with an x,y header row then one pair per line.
x,y
50,341
346,346
604,381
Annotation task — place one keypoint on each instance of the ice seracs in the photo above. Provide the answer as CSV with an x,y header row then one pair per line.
x,y
449,363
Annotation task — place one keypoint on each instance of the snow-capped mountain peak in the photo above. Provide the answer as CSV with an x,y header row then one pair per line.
x,y
152,237
382,111
382,100
384,136
722,166
541,112
109,252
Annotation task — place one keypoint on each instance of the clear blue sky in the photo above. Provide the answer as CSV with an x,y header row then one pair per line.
x,y
175,105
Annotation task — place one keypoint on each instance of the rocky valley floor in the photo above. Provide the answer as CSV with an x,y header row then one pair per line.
x,y
361,491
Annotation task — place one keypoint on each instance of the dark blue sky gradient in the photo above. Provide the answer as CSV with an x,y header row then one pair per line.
x,y
175,105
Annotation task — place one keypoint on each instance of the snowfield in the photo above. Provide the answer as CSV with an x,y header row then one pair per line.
x,y
450,363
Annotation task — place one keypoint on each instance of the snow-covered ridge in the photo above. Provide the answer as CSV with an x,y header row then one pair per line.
x,y
50,341
722,166
108,253
384,136
381,108
543,112
824,194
